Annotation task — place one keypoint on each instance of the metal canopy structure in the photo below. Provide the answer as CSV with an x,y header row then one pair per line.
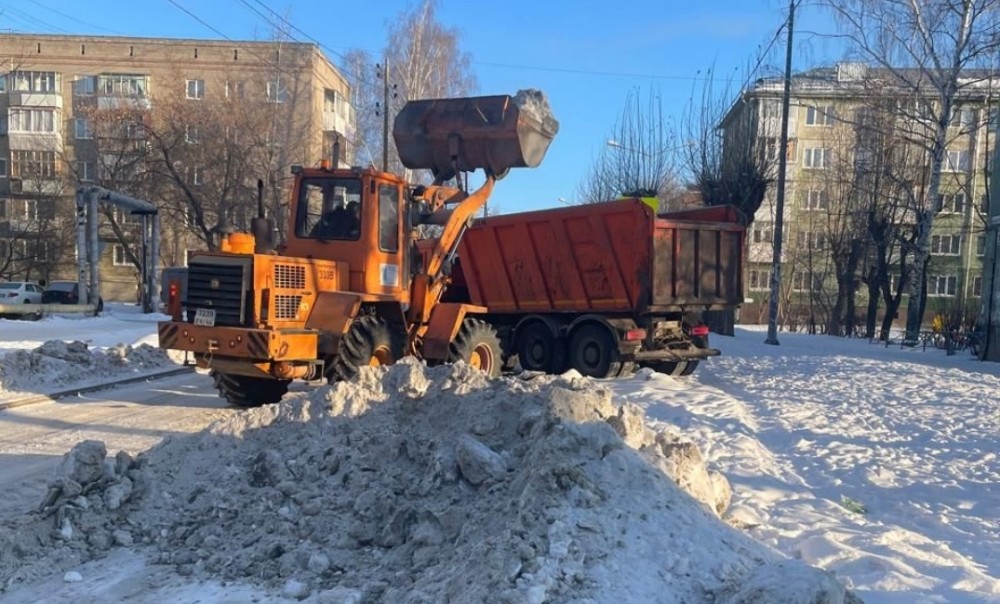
x,y
88,248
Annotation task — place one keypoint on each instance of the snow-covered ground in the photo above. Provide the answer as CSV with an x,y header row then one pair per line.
x,y
878,464
60,351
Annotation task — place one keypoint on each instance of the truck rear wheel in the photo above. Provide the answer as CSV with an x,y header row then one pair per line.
x,y
246,391
477,344
594,352
370,342
538,349
675,368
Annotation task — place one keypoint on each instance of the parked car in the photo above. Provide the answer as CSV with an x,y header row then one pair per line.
x,y
21,292
67,292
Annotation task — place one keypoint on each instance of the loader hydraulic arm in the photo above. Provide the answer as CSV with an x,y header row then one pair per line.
x,y
429,285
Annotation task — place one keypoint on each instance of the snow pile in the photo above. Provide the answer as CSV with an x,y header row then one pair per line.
x,y
59,363
534,103
420,485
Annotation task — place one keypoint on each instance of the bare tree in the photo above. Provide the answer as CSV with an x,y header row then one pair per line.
x,y
424,61
639,159
927,49
731,150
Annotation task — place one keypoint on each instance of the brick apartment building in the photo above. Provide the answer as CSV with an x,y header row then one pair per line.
x,y
75,109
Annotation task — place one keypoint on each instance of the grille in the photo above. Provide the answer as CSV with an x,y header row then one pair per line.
x,y
226,298
289,276
286,307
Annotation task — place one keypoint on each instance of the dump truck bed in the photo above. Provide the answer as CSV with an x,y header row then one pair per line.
x,y
614,257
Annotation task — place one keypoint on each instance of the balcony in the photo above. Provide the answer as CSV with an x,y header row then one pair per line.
x,y
37,186
36,141
123,102
338,122
35,99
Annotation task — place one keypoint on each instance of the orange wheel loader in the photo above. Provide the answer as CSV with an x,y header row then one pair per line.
x,y
355,283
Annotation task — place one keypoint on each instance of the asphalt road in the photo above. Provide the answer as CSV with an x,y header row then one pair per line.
x,y
132,418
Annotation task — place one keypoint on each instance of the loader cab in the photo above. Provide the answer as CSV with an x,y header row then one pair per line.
x,y
354,217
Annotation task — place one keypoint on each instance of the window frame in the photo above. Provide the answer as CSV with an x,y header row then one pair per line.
x,y
821,116
383,232
199,89
950,286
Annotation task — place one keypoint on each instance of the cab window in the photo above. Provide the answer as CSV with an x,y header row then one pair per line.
x,y
388,218
329,208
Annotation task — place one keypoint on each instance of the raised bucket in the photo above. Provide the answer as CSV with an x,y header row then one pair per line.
x,y
493,133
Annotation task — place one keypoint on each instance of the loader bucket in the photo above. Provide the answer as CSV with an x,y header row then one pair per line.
x,y
494,133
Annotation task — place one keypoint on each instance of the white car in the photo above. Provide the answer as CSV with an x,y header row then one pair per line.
x,y
21,292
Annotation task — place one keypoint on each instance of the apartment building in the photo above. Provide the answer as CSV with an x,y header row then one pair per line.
x,y
830,163
79,110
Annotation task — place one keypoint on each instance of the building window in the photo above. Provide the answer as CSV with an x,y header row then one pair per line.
x,y
977,287
82,128
3,167
981,245
84,86
819,116
956,161
32,120
810,240
119,257
197,175
85,171
120,84
31,210
276,92
817,200
33,81
3,83
3,123
817,157
760,280
772,144
946,245
191,134
33,164
940,286
951,203
806,282
771,108
196,89
962,117
234,89
761,235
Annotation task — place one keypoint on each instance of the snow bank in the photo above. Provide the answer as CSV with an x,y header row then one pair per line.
x,y
57,363
419,485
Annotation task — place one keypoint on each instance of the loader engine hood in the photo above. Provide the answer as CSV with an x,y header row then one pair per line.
x,y
494,133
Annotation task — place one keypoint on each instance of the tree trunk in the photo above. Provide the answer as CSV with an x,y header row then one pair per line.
x,y
872,315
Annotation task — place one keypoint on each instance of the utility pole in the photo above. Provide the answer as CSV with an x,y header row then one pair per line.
x,y
385,115
779,204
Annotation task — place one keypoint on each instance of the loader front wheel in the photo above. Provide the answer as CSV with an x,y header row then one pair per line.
x,y
370,342
245,391
477,345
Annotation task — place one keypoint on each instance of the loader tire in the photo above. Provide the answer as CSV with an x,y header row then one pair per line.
x,y
477,344
245,391
370,342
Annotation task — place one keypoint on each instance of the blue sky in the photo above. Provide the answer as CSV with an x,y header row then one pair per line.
x,y
568,49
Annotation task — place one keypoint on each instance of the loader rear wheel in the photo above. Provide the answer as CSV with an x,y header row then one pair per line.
x,y
477,345
246,391
370,342
538,349
594,352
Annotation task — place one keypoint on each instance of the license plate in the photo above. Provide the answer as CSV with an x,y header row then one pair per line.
x,y
204,316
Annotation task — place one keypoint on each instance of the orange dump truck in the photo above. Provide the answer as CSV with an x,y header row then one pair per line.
x,y
601,288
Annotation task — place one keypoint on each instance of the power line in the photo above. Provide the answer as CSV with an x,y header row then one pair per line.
x,y
72,18
291,25
200,20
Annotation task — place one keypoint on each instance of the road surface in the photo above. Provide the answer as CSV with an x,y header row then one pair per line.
x,y
132,418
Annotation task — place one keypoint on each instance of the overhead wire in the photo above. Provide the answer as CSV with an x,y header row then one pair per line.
x,y
72,18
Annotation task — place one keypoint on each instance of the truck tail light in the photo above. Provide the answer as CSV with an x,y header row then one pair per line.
x,y
699,330
635,334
